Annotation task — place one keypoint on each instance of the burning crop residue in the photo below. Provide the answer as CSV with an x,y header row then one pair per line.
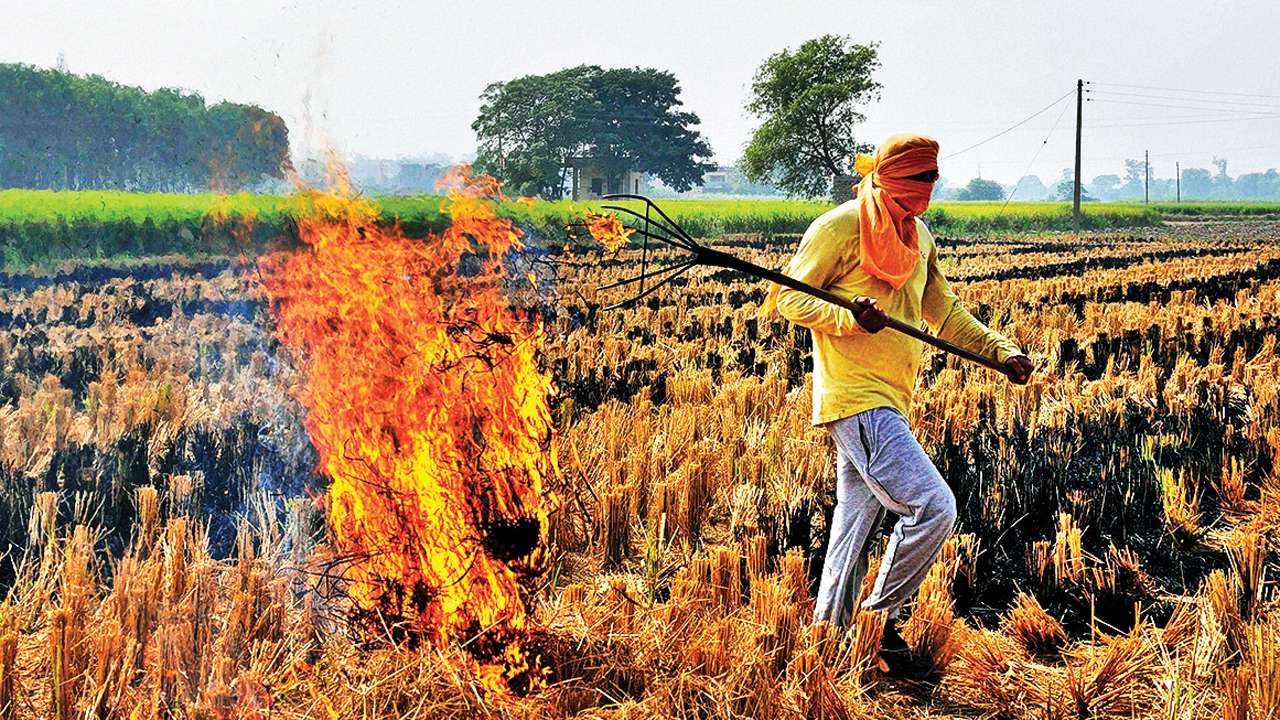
x,y
609,231
429,413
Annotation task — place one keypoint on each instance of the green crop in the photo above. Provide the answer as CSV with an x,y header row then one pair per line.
x,y
38,226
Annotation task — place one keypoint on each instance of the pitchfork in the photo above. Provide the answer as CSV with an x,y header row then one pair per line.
x,y
670,233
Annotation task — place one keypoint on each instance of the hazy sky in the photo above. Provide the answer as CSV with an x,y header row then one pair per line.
x,y
389,79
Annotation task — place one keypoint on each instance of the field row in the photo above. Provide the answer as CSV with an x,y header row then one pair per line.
x,y
45,227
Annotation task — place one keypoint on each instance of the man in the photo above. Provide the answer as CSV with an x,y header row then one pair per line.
x,y
875,250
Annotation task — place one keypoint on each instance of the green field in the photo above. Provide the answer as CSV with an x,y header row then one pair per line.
x,y
44,226
1222,208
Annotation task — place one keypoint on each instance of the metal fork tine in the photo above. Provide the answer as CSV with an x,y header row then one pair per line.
x,y
646,274
668,227
672,237
650,291
662,238
644,253
651,204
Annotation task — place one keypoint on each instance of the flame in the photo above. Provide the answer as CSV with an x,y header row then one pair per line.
x,y
430,416
609,231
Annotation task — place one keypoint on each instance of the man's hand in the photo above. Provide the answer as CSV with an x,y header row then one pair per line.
x,y
1020,369
869,315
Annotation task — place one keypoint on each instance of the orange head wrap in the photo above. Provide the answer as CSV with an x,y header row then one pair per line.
x,y
888,204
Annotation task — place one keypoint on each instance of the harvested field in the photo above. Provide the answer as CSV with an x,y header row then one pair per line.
x,y
1118,546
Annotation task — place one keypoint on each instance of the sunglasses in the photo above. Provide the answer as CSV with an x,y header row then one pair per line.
x,y
926,176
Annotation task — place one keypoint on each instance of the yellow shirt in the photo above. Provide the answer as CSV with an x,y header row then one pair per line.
x,y
854,370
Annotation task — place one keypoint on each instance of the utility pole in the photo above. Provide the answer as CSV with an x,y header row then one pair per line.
x,y
1075,203
1146,186
1178,171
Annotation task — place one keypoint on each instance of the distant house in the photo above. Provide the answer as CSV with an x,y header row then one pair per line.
x,y
592,180
721,180
729,180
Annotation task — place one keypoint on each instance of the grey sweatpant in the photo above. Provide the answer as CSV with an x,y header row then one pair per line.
x,y
881,466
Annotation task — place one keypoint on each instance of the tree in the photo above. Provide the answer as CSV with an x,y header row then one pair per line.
x,y
1222,182
529,127
64,131
627,119
1258,186
1197,184
1031,187
1135,176
808,104
1066,188
1105,187
638,126
979,189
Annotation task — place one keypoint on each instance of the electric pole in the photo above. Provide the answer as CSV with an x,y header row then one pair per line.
x,y
1075,203
1146,185
1178,171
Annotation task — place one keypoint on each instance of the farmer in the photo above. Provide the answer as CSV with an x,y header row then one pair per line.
x,y
875,250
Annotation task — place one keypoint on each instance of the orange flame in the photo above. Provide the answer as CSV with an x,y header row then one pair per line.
x,y
430,416
609,231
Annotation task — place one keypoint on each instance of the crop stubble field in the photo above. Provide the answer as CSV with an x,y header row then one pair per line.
x,y
1115,556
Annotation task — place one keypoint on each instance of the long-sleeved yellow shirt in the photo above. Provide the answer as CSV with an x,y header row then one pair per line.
x,y
854,370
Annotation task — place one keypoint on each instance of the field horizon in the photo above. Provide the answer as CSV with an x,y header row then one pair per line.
x,y
43,227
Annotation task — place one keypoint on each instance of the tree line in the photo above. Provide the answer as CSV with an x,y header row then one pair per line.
x,y
62,131
1196,184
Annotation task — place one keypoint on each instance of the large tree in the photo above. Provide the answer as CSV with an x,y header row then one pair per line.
x,y
529,127
808,102
639,126
626,119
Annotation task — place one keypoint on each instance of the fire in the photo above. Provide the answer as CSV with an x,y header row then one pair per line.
x,y
609,231
430,416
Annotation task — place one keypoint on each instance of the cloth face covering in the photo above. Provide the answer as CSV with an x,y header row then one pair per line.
x,y
888,204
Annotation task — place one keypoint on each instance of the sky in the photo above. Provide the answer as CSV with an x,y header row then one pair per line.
x,y
392,79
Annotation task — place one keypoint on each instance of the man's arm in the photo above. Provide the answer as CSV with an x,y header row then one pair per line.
x,y
953,323
818,261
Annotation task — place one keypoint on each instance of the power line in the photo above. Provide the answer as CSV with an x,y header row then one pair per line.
x,y
1176,107
1034,157
1184,122
1196,152
1181,90
1176,98
1231,111
1016,125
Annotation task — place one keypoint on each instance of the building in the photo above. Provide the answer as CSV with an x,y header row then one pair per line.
x,y
721,180
591,180
728,181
